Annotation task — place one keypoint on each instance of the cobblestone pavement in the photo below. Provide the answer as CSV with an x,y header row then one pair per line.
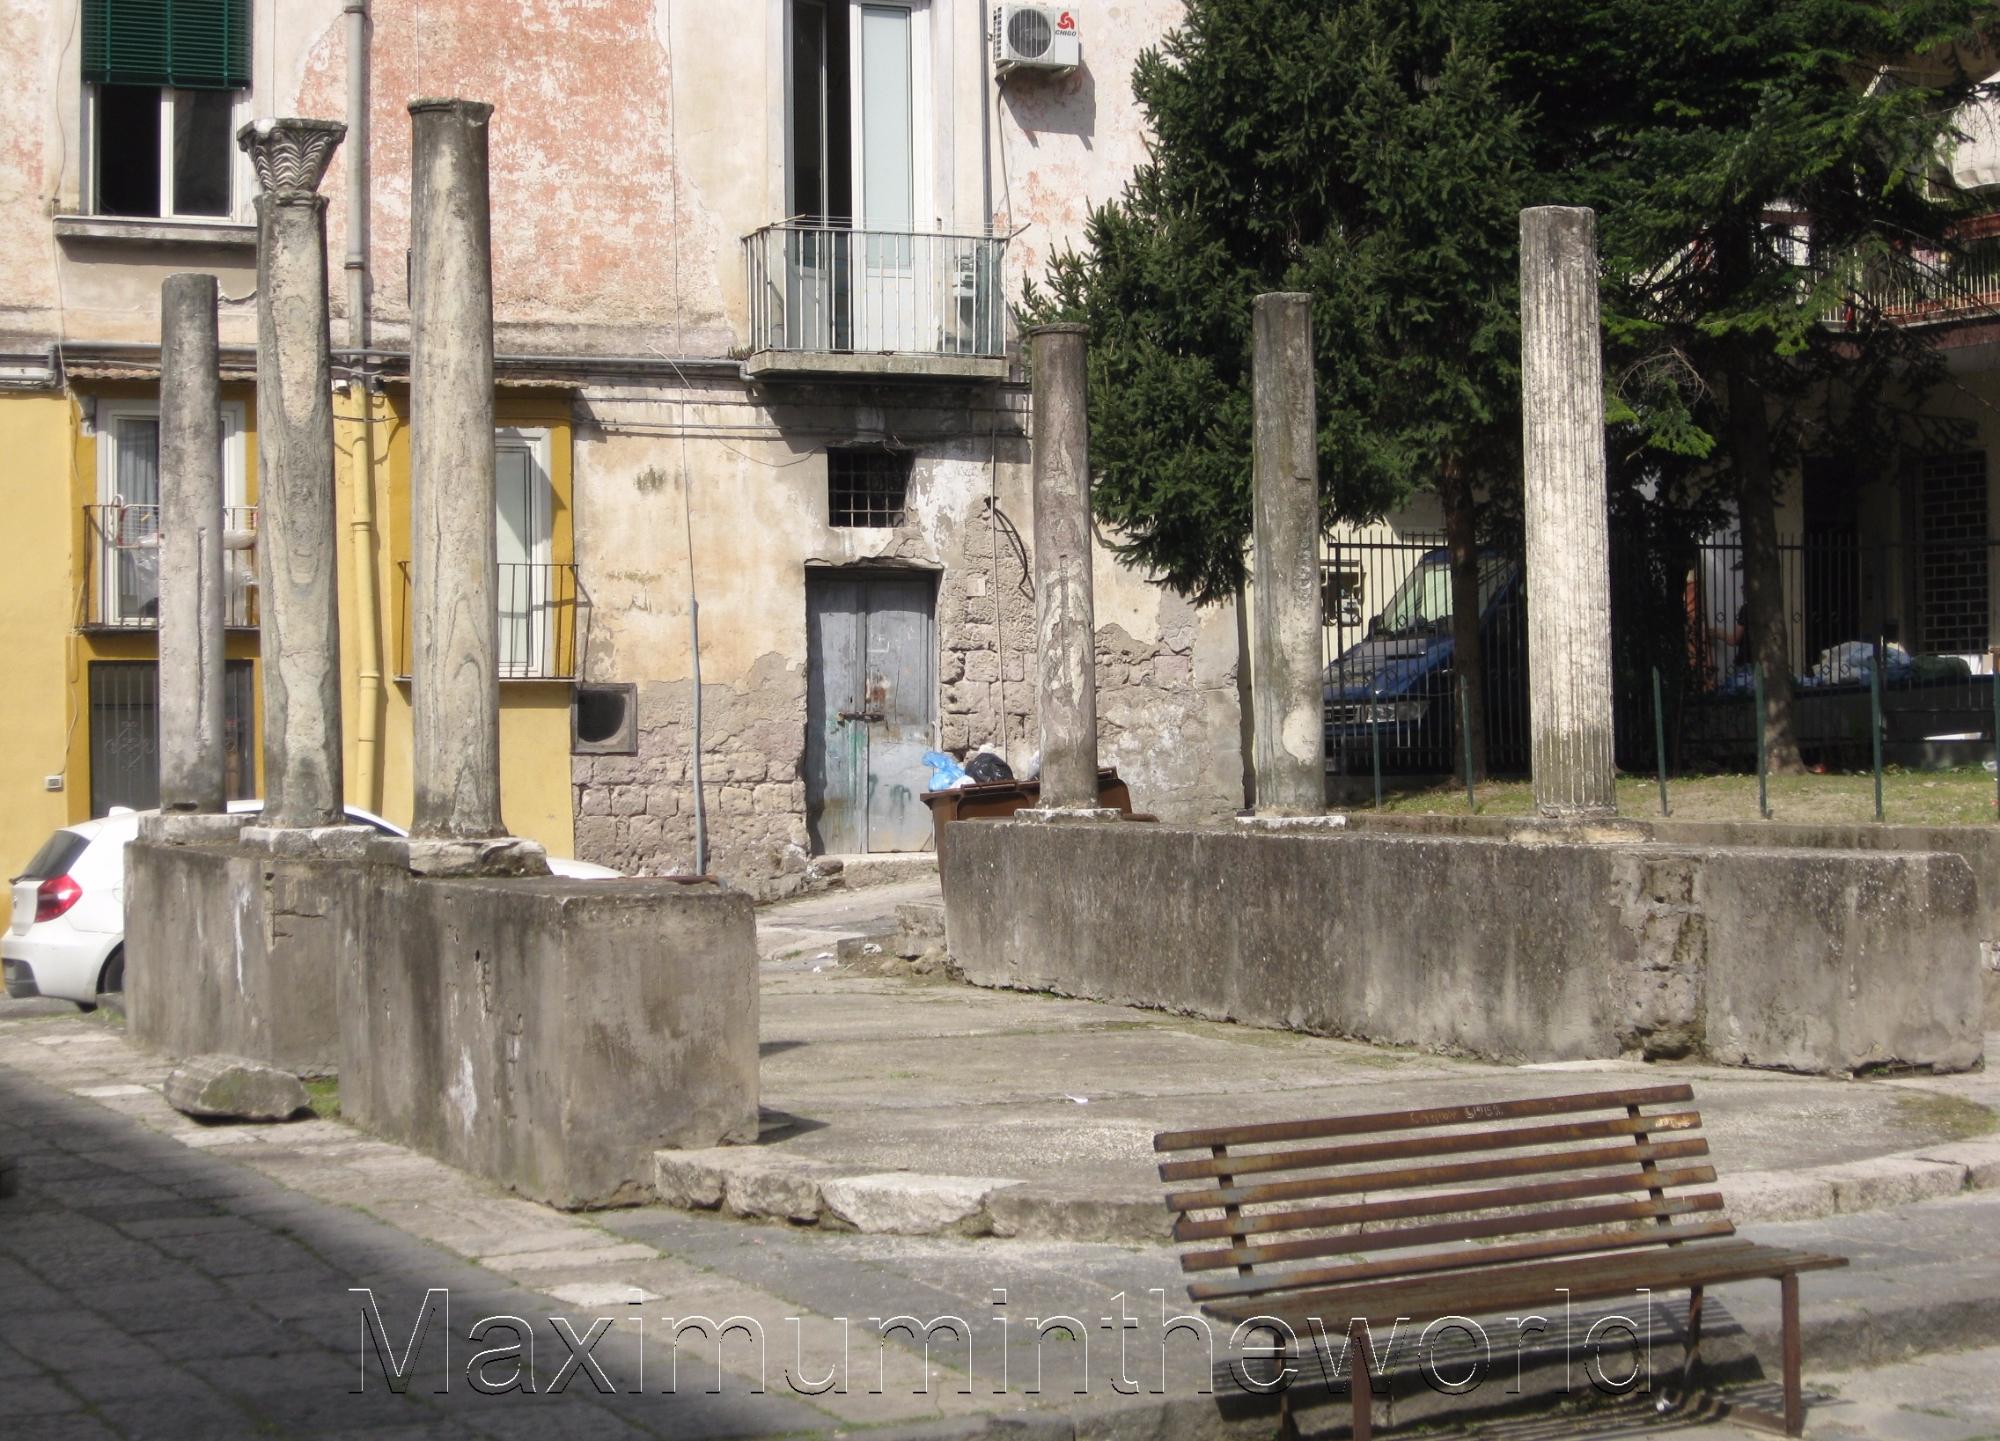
x,y
153,1289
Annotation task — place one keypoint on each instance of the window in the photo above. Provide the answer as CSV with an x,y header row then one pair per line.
x,y
125,734
529,591
165,89
126,519
866,486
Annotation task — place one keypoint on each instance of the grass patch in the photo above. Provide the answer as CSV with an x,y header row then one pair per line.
x,y
323,1095
1960,796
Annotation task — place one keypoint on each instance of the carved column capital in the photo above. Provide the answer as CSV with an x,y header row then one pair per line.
x,y
290,155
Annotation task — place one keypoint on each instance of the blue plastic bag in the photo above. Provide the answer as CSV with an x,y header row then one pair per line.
x,y
945,772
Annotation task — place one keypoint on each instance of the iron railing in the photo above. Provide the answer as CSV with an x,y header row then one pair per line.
x,y
544,619
1921,612
825,288
1925,287
122,560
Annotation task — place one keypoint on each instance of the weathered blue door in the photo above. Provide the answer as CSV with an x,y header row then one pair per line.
x,y
871,704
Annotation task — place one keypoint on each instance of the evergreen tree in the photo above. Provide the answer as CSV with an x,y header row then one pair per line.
x,y
1753,164
1364,151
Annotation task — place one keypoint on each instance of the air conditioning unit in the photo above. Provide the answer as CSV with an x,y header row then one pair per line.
x,y
1035,37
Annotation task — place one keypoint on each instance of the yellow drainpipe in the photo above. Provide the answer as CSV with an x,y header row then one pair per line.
x,y
368,604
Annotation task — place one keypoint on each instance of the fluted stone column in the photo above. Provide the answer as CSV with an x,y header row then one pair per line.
x,y
1569,569
296,551
1065,624
193,760
1286,694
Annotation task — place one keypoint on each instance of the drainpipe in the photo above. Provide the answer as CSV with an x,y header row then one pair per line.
x,y
362,395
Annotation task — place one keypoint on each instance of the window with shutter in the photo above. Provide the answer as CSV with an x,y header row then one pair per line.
x,y
164,83
187,44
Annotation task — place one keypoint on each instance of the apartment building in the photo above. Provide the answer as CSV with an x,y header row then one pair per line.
x,y
762,413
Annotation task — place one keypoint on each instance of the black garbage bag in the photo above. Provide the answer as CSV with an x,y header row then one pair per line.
x,y
985,767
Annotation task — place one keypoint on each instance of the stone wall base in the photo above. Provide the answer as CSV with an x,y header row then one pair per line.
x,y
1818,961
547,1034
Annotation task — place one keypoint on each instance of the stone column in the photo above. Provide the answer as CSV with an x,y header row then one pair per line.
x,y
1065,623
193,763
1286,695
454,618
296,546
1569,568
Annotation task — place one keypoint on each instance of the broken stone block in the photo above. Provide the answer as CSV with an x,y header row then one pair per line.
x,y
234,1088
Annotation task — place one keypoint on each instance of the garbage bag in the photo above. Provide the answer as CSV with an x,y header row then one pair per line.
x,y
946,772
988,766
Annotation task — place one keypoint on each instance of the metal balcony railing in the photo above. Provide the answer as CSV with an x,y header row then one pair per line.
x,y
832,289
544,616
122,557
1926,287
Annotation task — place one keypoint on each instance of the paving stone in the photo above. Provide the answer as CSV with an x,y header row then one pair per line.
x,y
1885,1182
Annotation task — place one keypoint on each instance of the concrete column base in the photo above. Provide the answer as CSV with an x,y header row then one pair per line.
x,y
1282,821
192,828
322,843
1060,815
498,856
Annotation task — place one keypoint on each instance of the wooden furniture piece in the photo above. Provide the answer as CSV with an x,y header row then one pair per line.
x,y
1467,1211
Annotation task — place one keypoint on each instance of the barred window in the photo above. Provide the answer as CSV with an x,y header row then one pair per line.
x,y
866,486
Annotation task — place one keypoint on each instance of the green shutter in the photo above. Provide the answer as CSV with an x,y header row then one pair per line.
x,y
193,44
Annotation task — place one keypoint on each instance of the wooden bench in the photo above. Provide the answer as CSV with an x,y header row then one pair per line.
x,y
1468,1211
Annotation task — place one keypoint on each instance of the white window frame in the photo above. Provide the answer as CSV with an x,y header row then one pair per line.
x,y
923,109
534,441
240,186
105,424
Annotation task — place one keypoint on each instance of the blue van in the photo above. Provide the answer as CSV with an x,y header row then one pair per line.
x,y
1397,682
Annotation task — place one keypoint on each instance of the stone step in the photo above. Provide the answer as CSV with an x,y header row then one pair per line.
x,y
883,870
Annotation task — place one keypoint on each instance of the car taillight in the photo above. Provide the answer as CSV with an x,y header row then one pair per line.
x,y
54,896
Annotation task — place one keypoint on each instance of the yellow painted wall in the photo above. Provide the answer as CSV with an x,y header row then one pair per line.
x,y
37,602
535,791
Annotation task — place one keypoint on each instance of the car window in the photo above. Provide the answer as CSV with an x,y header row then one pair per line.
x,y
57,855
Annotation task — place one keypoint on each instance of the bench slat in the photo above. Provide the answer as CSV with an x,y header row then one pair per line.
x,y
1424,1147
1469,1259
1275,1131
1444,1233
1488,1291
1410,1178
1443,1203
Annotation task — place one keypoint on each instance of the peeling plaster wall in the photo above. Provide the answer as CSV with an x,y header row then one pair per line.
x,y
754,469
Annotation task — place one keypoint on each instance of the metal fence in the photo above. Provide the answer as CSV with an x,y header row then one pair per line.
x,y
1921,614
544,619
122,558
830,288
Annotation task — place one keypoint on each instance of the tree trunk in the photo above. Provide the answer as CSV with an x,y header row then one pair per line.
x,y
1765,632
1467,660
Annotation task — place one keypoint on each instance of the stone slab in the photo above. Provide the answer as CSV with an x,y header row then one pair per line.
x,y
234,1088
500,856
901,1204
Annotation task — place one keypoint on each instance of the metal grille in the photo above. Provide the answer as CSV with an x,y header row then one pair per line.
x,y
867,487
1954,563
125,733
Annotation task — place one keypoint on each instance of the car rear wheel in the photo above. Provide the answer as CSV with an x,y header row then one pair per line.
x,y
112,977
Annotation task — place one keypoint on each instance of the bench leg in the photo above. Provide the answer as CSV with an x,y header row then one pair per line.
x,y
1795,1411
1691,1357
1361,1384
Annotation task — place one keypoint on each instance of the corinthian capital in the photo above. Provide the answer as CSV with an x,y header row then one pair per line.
x,y
290,155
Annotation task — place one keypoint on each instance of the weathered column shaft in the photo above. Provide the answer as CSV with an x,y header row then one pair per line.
x,y
1569,568
193,761
299,612
1286,694
1065,623
454,550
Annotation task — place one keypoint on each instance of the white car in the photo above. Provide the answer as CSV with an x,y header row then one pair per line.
x,y
67,934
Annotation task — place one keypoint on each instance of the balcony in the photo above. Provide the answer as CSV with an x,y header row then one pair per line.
x,y
122,557
828,300
544,615
1927,287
